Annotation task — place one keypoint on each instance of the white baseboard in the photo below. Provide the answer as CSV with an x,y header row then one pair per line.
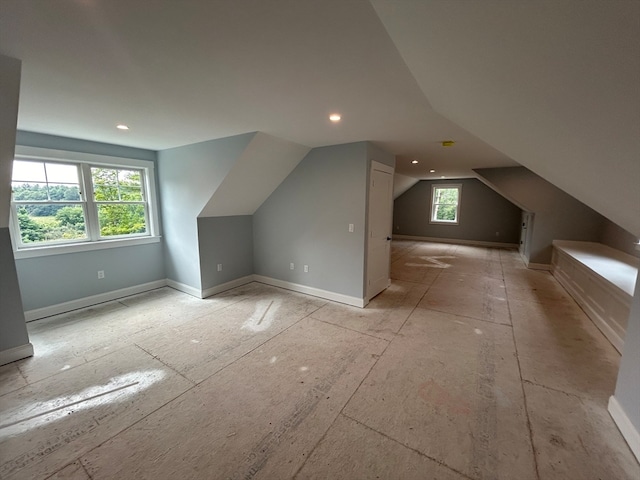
x,y
316,292
16,353
194,292
226,286
628,431
37,313
456,241
538,266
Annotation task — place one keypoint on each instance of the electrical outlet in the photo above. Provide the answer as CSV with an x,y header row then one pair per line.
x,y
351,227
219,267
306,269
100,274
292,266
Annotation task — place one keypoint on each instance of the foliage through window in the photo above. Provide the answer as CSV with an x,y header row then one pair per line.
x,y
445,203
58,202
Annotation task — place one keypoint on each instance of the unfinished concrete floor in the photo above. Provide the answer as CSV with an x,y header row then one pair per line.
x,y
469,366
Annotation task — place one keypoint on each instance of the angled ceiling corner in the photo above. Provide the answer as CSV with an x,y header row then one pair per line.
x,y
553,85
258,171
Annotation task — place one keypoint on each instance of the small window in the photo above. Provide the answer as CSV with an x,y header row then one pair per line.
x,y
61,201
445,203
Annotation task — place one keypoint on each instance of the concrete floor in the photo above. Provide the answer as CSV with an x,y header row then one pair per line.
x,y
469,366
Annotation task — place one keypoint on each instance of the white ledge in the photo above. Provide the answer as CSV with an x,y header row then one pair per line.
x,y
616,267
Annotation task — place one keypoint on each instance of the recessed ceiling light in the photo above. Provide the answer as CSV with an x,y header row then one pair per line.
x,y
122,126
441,176
335,117
414,161
432,171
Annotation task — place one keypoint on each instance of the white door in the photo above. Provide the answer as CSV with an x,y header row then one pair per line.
x,y
379,235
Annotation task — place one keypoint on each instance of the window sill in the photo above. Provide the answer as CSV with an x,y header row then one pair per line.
x,y
82,247
443,222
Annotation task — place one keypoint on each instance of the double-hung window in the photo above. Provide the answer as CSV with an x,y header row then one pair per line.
x,y
445,203
67,199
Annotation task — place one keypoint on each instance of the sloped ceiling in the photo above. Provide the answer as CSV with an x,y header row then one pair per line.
x,y
263,165
554,85
185,71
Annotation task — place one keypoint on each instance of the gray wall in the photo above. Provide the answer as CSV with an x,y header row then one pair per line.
x,y
13,330
628,384
188,177
483,212
558,216
225,240
306,221
54,279
617,237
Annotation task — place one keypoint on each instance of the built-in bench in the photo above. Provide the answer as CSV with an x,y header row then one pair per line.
x,y
601,279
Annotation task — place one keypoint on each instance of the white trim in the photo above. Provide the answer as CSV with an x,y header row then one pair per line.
x,y
226,286
450,186
538,266
38,313
82,247
627,429
456,241
316,292
188,289
16,353
93,240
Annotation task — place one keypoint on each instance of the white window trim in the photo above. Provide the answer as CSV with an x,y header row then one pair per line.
x,y
44,154
432,203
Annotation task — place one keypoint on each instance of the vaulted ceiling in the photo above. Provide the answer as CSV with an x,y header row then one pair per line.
x,y
551,85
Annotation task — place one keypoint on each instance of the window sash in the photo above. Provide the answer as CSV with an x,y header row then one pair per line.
x,y
435,204
87,202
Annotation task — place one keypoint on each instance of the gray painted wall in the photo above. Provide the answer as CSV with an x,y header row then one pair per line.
x,y
617,237
483,212
306,220
13,330
54,279
558,216
225,240
188,177
628,384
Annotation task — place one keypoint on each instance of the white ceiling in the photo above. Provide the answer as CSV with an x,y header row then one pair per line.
x,y
180,72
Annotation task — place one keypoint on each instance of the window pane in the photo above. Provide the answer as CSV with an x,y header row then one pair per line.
x,y
106,193
61,173
447,195
119,219
28,172
104,176
29,191
48,223
129,177
445,213
59,192
131,194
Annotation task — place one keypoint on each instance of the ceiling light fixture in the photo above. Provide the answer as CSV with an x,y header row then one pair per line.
x,y
414,161
122,126
441,176
335,117
448,143
432,171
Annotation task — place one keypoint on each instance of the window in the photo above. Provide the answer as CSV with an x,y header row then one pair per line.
x,y
79,200
445,203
